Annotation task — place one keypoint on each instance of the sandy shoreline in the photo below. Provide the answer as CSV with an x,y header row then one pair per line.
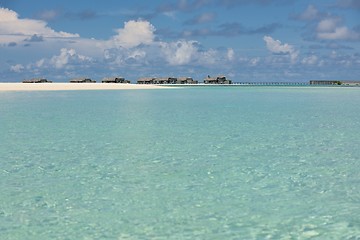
x,y
73,86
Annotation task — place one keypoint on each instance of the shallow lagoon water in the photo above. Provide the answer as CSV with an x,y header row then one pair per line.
x,y
193,163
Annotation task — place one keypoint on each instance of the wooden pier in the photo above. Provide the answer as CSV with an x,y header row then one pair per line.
x,y
271,83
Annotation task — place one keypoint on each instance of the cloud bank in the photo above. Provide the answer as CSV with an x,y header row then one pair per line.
x,y
331,28
15,29
326,26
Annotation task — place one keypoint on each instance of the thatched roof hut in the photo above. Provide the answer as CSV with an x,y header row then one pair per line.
x,y
37,80
165,80
82,80
146,80
186,80
218,80
115,80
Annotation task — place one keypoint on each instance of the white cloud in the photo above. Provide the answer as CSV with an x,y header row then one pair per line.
x,y
174,54
206,17
332,29
134,33
40,63
309,14
124,56
170,14
254,61
137,54
209,58
66,56
328,24
230,54
17,68
16,29
310,60
180,52
61,60
276,47
339,33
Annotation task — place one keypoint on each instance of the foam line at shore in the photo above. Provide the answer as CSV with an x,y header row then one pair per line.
x,y
73,86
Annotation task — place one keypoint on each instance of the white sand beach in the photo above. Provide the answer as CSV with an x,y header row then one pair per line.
x,y
73,86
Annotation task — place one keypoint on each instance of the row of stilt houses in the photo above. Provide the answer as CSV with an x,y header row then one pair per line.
x,y
81,80
207,80
167,80
147,80
184,80
37,80
217,80
105,80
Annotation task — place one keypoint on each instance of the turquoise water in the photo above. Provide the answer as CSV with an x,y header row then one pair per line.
x,y
194,163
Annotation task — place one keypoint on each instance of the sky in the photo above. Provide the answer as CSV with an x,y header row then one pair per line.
x,y
246,40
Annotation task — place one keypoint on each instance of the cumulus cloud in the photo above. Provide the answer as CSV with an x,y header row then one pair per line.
x,y
17,68
126,57
14,28
331,28
309,14
175,54
35,38
326,26
254,61
134,33
40,63
339,33
310,60
276,47
65,57
180,52
230,54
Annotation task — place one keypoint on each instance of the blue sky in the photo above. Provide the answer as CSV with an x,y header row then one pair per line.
x,y
246,40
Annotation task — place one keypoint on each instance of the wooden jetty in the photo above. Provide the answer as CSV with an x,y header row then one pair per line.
x,y
271,83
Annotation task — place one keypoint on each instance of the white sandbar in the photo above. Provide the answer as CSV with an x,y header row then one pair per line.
x,y
73,86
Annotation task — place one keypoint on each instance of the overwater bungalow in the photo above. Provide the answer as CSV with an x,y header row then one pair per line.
x,y
325,82
165,80
82,80
148,80
217,80
335,82
37,80
115,80
186,80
